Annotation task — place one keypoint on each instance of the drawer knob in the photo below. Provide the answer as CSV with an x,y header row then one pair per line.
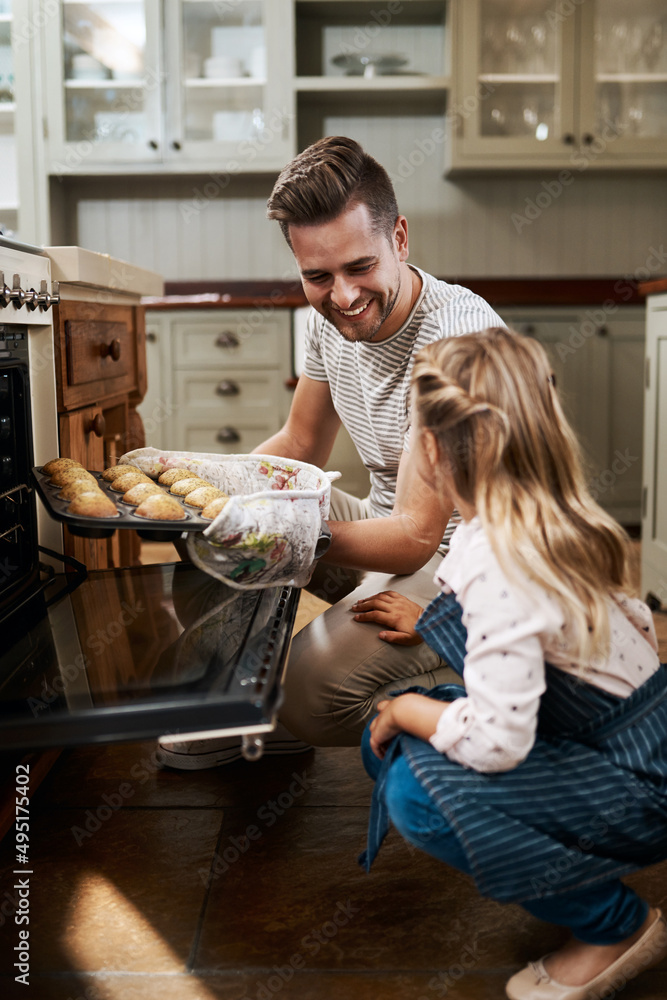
x,y
97,425
111,350
228,435
227,339
603,331
227,388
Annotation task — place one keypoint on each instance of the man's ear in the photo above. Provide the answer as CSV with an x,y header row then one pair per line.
x,y
400,237
431,448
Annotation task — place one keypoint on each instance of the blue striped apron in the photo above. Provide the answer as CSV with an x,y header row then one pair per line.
x,y
588,804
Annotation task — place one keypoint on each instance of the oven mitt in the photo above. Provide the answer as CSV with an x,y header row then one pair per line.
x,y
269,533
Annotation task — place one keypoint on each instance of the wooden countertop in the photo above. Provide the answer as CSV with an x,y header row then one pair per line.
x,y
496,291
653,287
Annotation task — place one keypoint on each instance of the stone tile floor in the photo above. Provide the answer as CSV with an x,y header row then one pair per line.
x,y
242,882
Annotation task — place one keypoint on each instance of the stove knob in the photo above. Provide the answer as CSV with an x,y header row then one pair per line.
x,y
55,293
5,291
46,299
16,294
31,300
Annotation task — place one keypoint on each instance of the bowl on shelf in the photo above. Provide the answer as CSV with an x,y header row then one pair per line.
x,y
369,66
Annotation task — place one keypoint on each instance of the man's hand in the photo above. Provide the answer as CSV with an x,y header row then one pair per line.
x,y
393,611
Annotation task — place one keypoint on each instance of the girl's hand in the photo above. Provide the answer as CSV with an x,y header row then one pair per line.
x,y
395,612
407,713
384,727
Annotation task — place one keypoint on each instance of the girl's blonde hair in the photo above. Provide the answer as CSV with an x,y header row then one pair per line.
x,y
490,400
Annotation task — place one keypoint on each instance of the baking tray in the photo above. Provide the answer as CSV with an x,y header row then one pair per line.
x,y
104,527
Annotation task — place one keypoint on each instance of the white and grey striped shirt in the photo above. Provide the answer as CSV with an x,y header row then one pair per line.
x,y
370,383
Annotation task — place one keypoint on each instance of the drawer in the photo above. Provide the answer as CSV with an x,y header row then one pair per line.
x,y
96,352
230,340
201,433
243,395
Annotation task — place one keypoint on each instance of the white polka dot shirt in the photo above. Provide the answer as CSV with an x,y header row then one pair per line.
x,y
513,627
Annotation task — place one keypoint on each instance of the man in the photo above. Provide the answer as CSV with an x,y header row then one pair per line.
x,y
372,311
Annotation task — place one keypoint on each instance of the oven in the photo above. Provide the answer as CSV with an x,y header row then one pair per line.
x,y
119,654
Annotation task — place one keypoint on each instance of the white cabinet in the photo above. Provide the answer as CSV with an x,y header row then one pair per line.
x,y
173,85
598,361
216,378
654,520
9,189
575,86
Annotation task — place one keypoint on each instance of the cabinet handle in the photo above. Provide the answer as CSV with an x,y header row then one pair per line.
x,y
568,139
176,145
152,144
227,388
529,330
111,350
227,339
603,331
228,435
151,337
588,139
97,425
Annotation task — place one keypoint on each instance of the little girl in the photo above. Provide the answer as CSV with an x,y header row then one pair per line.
x,y
545,778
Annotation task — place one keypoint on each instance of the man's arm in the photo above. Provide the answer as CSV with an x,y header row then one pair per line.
x,y
401,543
311,427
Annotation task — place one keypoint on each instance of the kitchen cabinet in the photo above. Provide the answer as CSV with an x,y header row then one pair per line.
x,y
184,85
598,361
9,194
578,86
654,519
217,378
354,58
100,379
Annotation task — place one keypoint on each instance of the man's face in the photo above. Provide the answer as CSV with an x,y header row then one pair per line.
x,y
352,276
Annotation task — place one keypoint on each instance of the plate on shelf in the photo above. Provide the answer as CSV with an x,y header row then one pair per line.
x,y
368,66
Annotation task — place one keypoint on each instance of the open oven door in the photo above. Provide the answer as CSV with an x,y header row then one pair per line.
x,y
137,653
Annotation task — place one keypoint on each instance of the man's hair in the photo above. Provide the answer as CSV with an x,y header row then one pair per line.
x,y
328,177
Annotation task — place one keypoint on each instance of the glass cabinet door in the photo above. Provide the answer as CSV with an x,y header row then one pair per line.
x,y
110,75
624,84
517,75
219,103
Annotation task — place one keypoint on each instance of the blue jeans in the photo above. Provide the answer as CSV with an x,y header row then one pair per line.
x,y
600,914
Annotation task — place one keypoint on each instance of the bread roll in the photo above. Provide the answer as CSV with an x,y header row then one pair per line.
x,y
129,479
185,486
60,463
171,476
161,508
203,496
139,492
68,475
93,504
76,488
212,509
117,470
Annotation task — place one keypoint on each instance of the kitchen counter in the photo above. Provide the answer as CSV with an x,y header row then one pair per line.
x,y
656,287
89,269
496,291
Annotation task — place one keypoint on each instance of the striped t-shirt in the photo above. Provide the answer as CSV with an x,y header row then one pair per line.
x,y
370,383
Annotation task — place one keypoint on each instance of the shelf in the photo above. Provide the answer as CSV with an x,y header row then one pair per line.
x,y
631,78
7,107
367,85
518,78
105,84
197,82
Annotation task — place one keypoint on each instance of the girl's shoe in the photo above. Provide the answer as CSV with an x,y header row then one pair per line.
x,y
535,983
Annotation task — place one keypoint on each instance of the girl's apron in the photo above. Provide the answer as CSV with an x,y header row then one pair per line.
x,y
588,804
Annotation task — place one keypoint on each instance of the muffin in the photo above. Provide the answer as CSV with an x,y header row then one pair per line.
x,y
122,484
171,476
76,488
202,496
161,508
212,509
60,463
185,486
139,492
95,503
68,475
117,470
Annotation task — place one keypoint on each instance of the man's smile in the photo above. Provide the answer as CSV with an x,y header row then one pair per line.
x,y
352,312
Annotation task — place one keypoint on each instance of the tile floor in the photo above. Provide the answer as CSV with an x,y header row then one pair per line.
x,y
242,882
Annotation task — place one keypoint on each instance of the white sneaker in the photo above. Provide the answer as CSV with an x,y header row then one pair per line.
x,y
196,755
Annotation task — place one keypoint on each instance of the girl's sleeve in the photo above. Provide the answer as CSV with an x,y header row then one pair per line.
x,y
493,727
